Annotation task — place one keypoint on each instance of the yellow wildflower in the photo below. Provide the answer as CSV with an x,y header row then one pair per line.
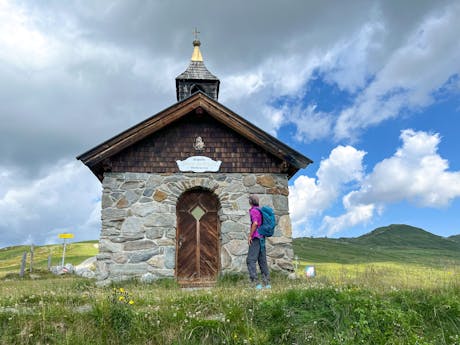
x,y
121,298
131,302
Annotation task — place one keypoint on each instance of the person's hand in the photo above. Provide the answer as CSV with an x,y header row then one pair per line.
x,y
249,240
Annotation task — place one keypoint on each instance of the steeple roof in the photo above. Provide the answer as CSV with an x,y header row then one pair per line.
x,y
196,70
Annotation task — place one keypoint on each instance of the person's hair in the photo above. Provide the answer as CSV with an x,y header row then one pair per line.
x,y
254,200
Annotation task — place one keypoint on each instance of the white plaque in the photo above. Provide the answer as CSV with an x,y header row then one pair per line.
x,y
199,164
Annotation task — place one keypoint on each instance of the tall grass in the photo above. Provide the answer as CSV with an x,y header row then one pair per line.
x,y
343,304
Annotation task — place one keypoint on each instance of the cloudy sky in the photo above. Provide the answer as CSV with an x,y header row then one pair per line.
x,y
369,90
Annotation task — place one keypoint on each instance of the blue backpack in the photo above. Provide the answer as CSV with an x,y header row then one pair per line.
x,y
268,222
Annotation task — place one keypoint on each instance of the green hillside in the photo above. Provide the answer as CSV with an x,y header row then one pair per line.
x,y
455,238
404,236
395,243
10,257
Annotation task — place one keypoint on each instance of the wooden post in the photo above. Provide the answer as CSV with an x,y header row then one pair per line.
x,y
49,262
31,258
23,264
63,254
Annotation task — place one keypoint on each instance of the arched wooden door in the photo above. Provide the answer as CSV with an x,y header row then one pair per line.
x,y
197,244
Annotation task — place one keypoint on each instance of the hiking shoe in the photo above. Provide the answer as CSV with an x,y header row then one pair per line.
x,y
268,286
259,287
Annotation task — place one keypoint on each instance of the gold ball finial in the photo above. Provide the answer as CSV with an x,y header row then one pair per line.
x,y
196,56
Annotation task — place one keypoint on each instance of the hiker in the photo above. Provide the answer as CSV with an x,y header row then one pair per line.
x,y
256,252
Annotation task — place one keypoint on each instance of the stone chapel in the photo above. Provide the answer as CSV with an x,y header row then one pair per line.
x,y
175,189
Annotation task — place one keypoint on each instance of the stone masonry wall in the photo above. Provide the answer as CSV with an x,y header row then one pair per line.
x,y
138,237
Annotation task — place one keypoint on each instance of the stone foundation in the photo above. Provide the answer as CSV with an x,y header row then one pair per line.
x,y
138,237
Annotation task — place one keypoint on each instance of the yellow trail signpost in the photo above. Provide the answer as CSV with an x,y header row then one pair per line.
x,y
64,237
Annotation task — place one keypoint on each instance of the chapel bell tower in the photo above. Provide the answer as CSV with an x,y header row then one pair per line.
x,y
196,77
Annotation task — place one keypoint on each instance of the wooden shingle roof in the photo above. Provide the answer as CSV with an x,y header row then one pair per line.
x,y
196,71
227,117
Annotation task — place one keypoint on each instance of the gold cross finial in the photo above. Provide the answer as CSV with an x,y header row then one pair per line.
x,y
195,33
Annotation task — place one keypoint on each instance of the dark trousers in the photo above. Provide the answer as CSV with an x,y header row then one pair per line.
x,y
255,254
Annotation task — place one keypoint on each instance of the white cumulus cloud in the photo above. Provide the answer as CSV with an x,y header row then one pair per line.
x,y
310,197
416,173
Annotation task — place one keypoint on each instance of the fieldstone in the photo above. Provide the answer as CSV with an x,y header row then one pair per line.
x,y
225,258
157,261
102,272
267,200
163,242
122,203
242,202
148,278
113,214
142,255
132,185
176,191
284,224
103,256
280,202
238,264
162,273
170,257
279,240
148,192
234,188
128,269
266,181
171,233
139,245
154,233
132,196
109,231
120,258
85,273
159,195
157,219
106,200
249,180
122,239
230,226
256,189
132,226
226,238
237,247
110,183
277,190
142,210
234,213
106,245
153,181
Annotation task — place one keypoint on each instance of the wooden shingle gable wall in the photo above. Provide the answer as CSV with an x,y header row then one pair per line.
x,y
158,152
154,144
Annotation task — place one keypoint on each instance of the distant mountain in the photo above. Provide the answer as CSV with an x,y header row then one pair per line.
x,y
405,236
394,243
455,238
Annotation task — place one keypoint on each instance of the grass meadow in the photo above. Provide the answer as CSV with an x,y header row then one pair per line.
x,y
370,303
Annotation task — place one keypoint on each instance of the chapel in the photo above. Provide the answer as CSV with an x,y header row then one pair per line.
x,y
175,189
